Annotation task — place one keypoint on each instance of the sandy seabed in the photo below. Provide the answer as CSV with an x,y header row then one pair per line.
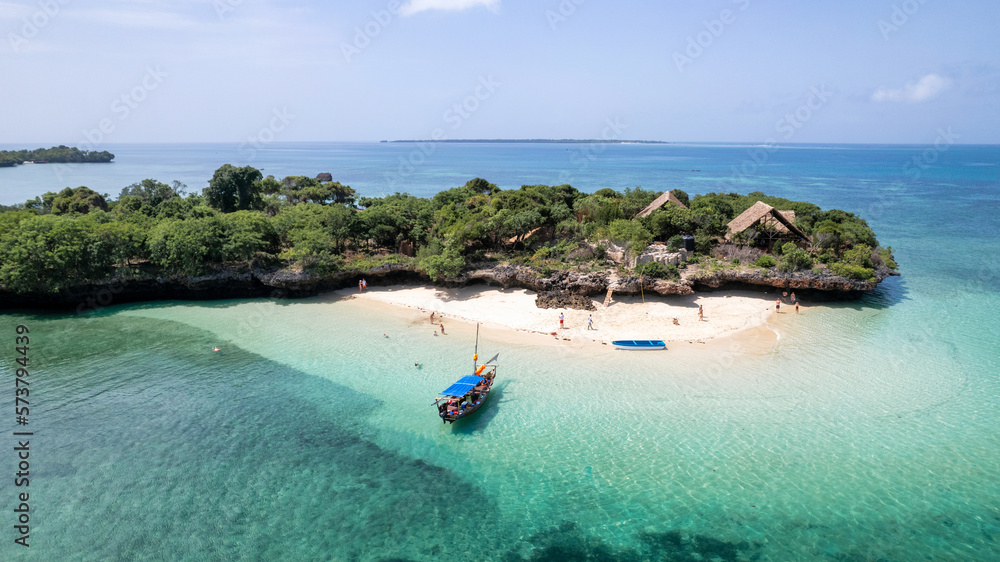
x,y
725,313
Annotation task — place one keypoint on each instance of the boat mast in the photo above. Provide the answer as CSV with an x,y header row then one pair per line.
x,y
475,354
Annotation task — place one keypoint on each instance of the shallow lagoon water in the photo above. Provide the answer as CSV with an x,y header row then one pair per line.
x,y
868,430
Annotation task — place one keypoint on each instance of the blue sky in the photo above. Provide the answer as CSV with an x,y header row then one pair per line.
x,y
865,71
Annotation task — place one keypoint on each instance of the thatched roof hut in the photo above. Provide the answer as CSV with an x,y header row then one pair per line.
x,y
659,202
761,213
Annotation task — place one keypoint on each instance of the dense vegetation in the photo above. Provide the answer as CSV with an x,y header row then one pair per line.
x,y
243,220
56,154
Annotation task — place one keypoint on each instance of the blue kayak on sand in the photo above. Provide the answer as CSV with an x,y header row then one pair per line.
x,y
639,345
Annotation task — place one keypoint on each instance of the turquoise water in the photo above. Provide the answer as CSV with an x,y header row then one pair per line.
x,y
868,431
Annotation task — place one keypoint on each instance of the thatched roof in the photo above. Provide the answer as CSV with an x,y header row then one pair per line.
x,y
526,236
762,213
659,202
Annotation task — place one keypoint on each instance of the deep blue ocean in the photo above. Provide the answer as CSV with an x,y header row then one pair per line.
x,y
869,431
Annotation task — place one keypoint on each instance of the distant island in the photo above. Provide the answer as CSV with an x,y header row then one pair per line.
x,y
536,141
56,155
249,235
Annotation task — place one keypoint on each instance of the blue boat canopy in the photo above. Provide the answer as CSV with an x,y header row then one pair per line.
x,y
463,386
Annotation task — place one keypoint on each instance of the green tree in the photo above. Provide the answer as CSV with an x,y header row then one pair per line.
x,y
299,189
401,216
669,221
479,185
234,189
681,196
448,263
635,200
630,232
123,242
46,253
765,261
247,234
310,235
188,247
659,271
794,258
81,200
312,252
152,192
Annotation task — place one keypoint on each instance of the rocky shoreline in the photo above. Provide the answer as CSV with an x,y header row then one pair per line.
x,y
561,289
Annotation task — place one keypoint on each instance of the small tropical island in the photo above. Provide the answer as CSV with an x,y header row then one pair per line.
x,y
56,155
247,235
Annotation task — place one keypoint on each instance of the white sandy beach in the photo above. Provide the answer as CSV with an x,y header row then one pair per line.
x,y
627,317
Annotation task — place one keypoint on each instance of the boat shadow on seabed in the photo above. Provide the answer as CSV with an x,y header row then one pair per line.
x,y
481,418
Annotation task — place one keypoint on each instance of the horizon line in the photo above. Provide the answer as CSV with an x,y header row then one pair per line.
x,y
492,141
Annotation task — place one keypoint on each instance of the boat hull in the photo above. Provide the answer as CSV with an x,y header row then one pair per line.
x,y
452,418
639,345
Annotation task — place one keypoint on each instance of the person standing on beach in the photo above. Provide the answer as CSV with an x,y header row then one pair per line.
x,y
777,305
590,322
793,297
562,317
432,317
442,328
796,307
701,312
360,287
364,283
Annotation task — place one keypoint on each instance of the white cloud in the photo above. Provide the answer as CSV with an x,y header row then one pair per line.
x,y
927,88
416,6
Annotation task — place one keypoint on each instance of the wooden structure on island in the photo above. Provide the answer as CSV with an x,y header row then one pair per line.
x,y
659,202
768,222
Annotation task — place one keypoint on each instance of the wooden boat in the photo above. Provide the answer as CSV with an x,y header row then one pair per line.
x,y
468,393
639,345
